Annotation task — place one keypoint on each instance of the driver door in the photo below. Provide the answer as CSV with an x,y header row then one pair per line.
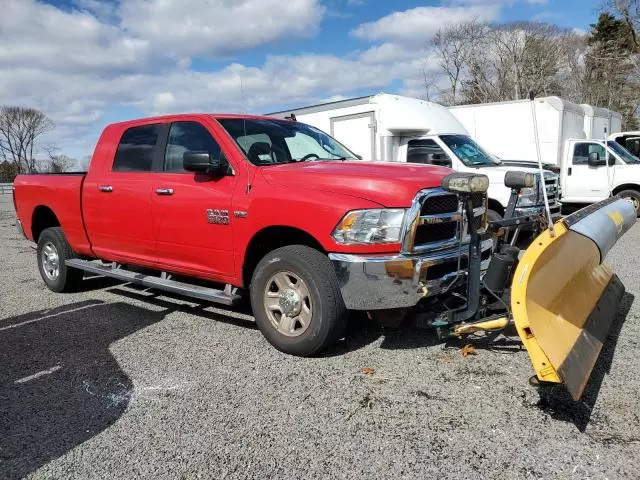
x,y
192,215
586,184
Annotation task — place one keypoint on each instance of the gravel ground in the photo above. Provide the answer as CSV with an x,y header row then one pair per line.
x,y
114,382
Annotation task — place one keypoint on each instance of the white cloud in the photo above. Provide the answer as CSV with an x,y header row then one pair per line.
x,y
87,65
64,41
218,27
416,25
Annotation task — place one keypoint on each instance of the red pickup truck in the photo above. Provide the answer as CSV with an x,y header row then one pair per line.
x,y
212,205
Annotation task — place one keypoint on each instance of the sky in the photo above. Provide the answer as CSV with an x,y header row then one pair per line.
x,y
87,63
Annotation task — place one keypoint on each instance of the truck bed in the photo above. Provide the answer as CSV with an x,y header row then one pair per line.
x,y
39,195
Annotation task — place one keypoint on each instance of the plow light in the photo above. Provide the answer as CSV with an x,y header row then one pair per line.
x,y
465,183
519,180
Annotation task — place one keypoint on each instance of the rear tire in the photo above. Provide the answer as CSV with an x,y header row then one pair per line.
x,y
296,300
53,252
634,197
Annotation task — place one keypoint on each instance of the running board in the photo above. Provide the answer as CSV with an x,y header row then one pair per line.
x,y
228,296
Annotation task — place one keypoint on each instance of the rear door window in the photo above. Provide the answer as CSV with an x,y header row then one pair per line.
x,y
137,149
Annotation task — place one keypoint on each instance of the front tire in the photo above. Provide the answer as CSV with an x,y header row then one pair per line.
x,y
53,252
634,197
296,300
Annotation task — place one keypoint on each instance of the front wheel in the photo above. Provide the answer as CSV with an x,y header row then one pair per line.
x,y
634,197
53,252
296,300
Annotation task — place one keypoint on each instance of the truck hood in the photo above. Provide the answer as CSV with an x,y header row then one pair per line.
x,y
527,165
389,184
496,174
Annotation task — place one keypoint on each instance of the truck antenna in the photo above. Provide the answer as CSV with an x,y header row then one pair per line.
x,y
540,169
244,126
606,159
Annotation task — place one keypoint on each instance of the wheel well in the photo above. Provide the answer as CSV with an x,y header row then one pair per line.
x,y
270,238
496,206
626,186
42,218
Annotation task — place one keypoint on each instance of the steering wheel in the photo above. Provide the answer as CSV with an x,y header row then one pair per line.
x,y
308,156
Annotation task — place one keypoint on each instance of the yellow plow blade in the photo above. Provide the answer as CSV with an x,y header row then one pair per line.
x,y
564,299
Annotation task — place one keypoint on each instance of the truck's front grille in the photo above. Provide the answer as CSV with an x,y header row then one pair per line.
x,y
440,204
438,222
448,203
551,184
437,232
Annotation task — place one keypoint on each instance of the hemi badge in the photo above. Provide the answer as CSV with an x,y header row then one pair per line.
x,y
240,214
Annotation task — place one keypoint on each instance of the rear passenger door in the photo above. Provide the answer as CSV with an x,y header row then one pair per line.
x,y
192,211
117,200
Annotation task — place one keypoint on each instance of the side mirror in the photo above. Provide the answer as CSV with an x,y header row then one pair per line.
x,y
200,162
594,160
611,159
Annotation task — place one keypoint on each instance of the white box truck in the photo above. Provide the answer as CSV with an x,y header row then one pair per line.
x,y
573,137
395,128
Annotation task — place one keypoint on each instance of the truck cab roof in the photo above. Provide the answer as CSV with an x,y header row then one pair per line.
x,y
178,116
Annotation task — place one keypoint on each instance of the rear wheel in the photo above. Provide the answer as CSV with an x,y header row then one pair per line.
x,y
53,251
634,197
296,300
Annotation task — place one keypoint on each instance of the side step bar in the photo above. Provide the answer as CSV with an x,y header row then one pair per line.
x,y
228,296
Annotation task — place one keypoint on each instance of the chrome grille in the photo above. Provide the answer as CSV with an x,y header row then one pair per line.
x,y
436,220
551,184
440,204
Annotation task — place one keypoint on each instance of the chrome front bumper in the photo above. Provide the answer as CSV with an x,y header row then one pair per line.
x,y
380,282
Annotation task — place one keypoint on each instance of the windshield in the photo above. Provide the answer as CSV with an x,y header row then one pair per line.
x,y
468,151
623,153
273,142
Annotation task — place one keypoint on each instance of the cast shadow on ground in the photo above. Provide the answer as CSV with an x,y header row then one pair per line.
x,y
362,331
59,383
554,400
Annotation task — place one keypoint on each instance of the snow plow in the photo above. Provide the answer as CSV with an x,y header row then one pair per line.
x,y
564,299
558,293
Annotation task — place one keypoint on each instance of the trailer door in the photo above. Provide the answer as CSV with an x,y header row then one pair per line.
x,y
357,132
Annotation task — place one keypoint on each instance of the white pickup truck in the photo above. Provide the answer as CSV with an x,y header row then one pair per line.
x,y
395,128
578,139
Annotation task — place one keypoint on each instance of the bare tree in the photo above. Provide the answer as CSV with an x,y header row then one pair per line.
x,y
453,46
84,163
20,130
60,164
515,59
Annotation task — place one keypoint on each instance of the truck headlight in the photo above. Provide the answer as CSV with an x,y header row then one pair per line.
x,y
528,197
370,226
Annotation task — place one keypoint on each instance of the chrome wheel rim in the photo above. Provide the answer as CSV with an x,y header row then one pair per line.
x,y
287,303
50,261
634,201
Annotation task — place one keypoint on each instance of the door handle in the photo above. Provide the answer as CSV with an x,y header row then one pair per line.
x,y
164,191
105,188
569,171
